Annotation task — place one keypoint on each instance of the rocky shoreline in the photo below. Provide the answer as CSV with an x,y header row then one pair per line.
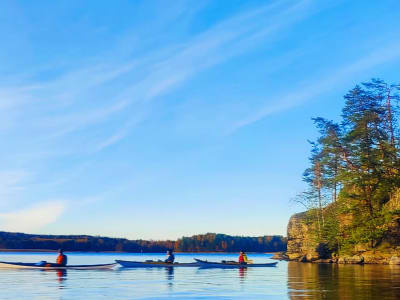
x,y
367,258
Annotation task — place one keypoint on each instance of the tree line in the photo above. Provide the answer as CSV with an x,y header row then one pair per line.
x,y
228,243
196,243
355,169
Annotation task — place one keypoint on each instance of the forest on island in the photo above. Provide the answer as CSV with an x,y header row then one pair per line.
x,y
354,174
197,243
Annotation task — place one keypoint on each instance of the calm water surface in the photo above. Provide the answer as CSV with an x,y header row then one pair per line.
x,y
286,281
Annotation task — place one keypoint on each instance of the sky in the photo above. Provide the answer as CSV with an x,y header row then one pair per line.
x,y
162,119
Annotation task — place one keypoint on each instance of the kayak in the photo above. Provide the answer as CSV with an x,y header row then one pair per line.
x,y
49,266
150,264
231,264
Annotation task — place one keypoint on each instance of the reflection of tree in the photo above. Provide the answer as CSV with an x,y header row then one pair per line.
x,y
332,281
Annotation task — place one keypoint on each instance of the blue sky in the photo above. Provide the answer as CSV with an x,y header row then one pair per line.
x,y
158,119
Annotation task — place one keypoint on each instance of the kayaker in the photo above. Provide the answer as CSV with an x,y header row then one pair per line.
x,y
243,258
61,258
170,257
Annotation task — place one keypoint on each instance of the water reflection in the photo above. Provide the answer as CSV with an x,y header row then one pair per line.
x,y
242,274
61,275
170,276
332,281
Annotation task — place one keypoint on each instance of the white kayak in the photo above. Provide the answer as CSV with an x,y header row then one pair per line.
x,y
231,264
151,264
50,266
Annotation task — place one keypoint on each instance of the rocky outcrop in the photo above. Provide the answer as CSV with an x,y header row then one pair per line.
x,y
280,256
302,245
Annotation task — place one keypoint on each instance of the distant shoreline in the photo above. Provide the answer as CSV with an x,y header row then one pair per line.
x,y
206,243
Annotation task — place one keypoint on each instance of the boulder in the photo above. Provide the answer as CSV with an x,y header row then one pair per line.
x,y
341,260
394,260
303,259
280,256
310,257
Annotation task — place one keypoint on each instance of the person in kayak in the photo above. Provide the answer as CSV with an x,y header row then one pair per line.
x,y
170,257
243,258
61,258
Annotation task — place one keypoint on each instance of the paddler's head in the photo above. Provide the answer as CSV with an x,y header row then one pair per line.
x,y
61,251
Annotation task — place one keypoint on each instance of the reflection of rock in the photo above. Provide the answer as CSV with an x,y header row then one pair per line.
x,y
311,281
324,261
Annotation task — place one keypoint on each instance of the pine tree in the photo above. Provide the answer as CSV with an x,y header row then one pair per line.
x,y
358,162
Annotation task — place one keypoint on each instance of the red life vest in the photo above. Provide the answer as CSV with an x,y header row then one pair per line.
x,y
62,259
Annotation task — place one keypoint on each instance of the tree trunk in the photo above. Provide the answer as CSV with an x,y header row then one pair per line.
x,y
389,117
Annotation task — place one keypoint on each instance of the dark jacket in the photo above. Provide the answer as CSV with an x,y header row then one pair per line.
x,y
170,259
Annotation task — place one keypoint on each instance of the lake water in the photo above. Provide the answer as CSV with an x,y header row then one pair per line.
x,y
286,281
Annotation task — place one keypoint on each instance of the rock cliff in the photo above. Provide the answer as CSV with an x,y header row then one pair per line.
x,y
300,242
303,247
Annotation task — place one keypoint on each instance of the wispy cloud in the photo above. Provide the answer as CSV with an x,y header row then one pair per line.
x,y
58,118
222,42
89,94
329,81
11,184
33,218
71,122
118,135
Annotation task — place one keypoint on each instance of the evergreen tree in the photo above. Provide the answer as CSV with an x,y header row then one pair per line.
x,y
358,161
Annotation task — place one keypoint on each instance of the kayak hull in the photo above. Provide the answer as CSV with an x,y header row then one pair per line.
x,y
153,264
19,265
210,264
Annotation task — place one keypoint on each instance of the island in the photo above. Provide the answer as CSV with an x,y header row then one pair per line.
x,y
353,197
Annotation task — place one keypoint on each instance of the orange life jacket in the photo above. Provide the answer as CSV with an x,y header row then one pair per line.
x,y
62,259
